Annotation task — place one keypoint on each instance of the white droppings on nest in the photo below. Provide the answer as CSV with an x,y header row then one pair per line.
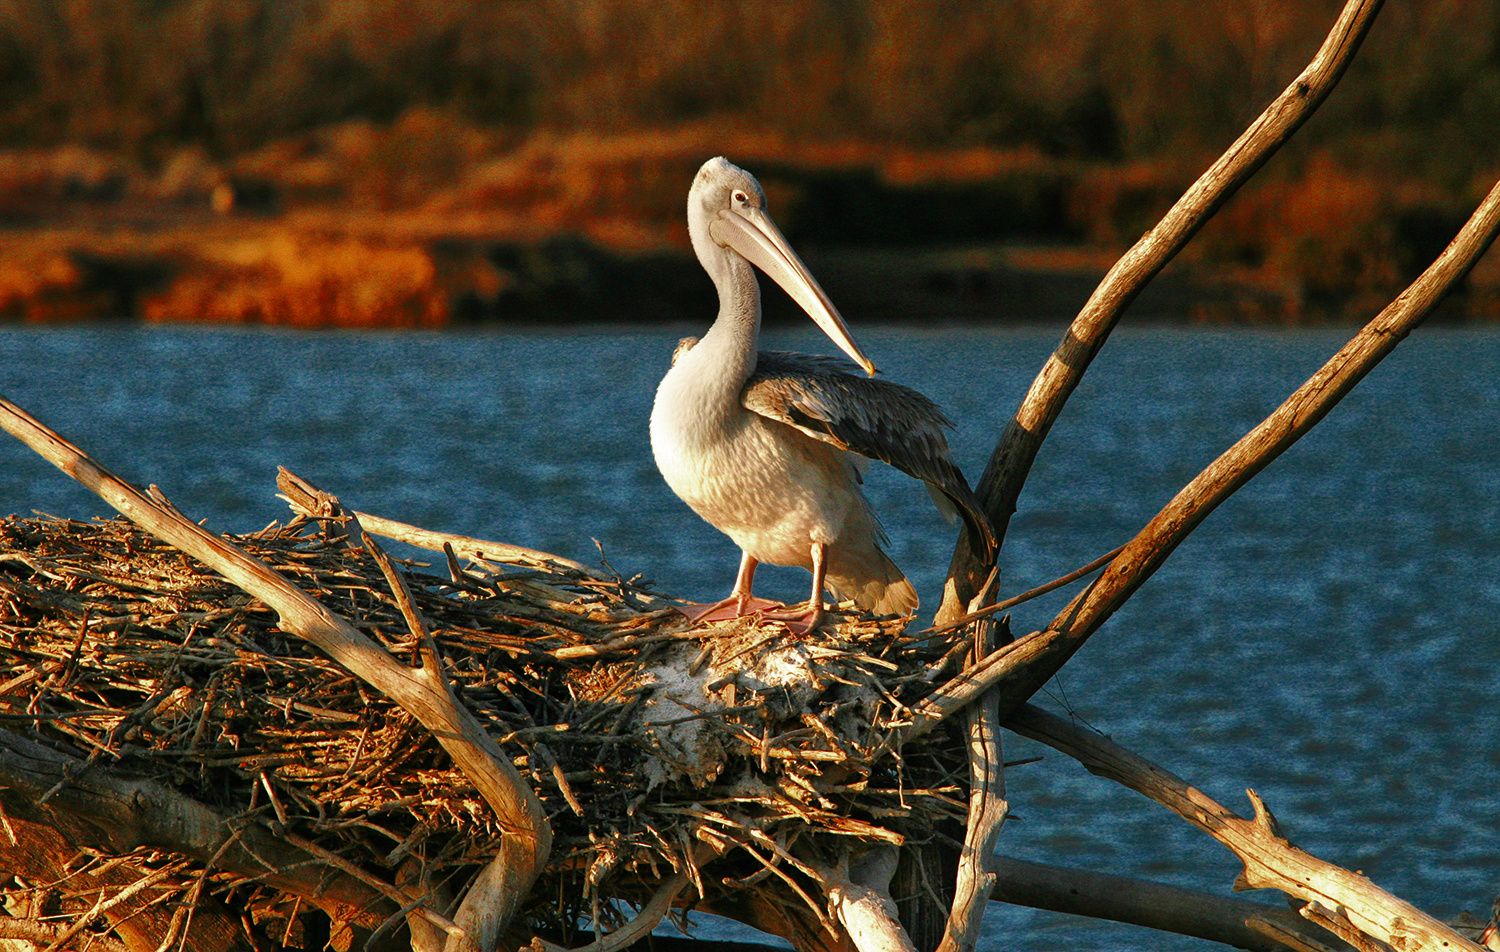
x,y
743,671
747,787
763,664
784,666
686,744
783,674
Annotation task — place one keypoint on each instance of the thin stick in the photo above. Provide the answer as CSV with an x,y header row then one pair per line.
x,y
648,917
124,895
1026,596
396,895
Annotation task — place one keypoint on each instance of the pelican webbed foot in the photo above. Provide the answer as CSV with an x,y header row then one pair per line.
x,y
799,621
728,609
741,603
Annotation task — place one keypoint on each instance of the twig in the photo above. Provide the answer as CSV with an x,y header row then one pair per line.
x,y
649,915
775,870
392,893
124,895
1014,600
561,778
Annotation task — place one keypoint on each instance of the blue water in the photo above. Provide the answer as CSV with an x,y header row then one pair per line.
x,y
1328,637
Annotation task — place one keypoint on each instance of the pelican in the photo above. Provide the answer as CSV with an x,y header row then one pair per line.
x,y
771,448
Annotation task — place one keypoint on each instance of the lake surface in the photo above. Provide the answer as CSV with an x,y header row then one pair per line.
x,y
1328,637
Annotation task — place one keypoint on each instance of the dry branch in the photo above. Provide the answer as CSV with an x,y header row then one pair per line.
x,y
1271,862
1022,667
1010,463
527,840
987,809
1032,662
478,550
859,898
1234,922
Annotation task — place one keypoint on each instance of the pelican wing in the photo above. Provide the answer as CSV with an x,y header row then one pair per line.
x,y
821,398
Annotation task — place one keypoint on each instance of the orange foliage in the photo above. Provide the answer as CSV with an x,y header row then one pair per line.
x,y
290,280
1078,120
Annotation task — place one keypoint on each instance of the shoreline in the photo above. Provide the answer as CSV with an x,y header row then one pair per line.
x,y
587,229
266,273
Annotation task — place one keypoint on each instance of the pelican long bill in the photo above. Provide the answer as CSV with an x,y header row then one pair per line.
x,y
752,233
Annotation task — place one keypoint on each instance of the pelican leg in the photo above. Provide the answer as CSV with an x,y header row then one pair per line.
x,y
800,621
739,603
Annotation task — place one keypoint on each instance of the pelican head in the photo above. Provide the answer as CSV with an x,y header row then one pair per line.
x,y
727,219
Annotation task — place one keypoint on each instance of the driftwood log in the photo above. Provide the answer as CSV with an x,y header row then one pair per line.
x,y
289,739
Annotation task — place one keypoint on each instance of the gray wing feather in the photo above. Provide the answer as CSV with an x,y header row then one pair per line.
x,y
827,399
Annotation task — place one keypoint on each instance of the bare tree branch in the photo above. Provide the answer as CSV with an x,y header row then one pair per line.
x,y
421,692
1271,862
987,810
1234,922
1014,454
1027,663
469,548
858,889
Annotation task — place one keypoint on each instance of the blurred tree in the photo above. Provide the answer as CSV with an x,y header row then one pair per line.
x,y
1075,78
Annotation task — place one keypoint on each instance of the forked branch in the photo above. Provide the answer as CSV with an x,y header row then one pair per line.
x,y
1027,663
1016,451
1270,861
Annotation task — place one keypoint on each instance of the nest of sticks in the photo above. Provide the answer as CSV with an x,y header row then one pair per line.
x,y
644,736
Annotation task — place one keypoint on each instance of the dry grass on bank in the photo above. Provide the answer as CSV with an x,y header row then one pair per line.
x,y
425,223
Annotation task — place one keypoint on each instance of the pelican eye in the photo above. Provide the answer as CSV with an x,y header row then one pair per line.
x,y
740,198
